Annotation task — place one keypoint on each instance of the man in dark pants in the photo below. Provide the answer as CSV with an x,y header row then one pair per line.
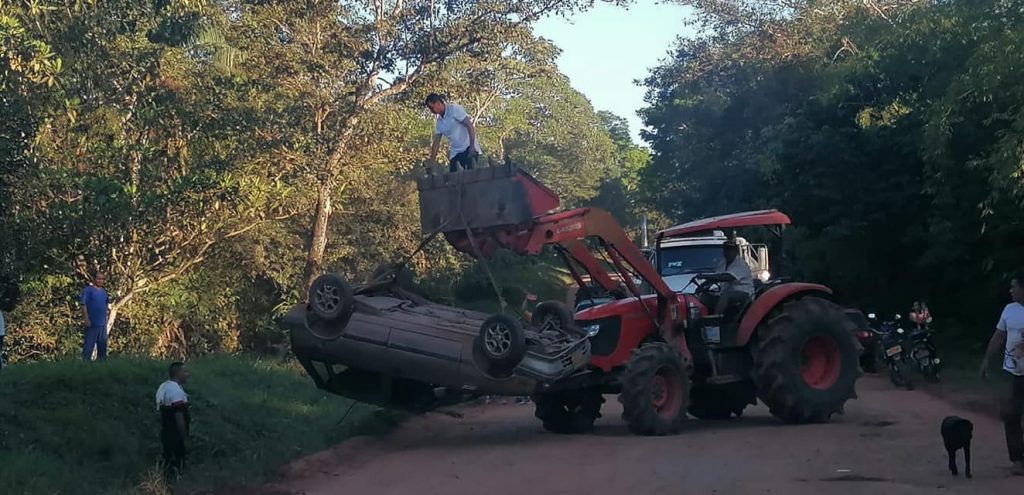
x,y
1009,338
172,402
454,123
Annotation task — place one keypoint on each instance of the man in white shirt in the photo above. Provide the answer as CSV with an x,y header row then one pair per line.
x,y
454,123
734,278
172,402
1009,338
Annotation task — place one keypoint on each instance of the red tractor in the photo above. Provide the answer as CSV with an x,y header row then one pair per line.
x,y
659,350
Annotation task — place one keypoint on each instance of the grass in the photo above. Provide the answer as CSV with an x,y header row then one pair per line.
x,y
72,427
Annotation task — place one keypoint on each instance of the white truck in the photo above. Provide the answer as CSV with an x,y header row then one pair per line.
x,y
679,259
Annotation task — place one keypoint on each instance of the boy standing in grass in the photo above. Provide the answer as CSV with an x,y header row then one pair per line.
x,y
172,402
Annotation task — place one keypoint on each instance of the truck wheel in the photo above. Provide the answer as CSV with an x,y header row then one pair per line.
x,y
331,299
655,390
553,316
807,362
569,412
718,402
500,346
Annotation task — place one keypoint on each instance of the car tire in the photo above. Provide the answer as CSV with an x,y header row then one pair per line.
x,y
553,316
499,346
331,299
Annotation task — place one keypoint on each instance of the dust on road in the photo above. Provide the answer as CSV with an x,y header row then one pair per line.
x,y
887,442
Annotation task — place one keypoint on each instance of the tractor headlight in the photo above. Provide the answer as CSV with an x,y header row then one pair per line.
x,y
592,329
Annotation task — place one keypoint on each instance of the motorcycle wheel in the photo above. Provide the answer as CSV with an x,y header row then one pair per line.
x,y
898,375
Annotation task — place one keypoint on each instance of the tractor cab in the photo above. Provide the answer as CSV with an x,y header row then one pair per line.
x,y
686,252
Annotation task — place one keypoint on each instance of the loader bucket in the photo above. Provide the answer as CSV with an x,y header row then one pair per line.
x,y
482,198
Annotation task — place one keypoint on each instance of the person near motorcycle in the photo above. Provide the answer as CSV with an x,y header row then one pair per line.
x,y
734,277
1009,337
920,315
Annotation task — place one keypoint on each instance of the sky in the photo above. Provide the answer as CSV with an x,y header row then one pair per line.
x,y
606,49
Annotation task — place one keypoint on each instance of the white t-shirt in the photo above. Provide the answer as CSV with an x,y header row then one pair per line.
x,y
741,271
450,125
1012,322
170,393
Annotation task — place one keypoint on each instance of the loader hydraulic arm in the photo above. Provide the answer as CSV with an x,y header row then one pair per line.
x,y
569,230
482,210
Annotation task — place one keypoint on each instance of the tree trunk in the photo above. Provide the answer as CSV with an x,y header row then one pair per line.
x,y
116,308
318,242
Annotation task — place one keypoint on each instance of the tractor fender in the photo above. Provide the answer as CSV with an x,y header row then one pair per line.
x,y
771,299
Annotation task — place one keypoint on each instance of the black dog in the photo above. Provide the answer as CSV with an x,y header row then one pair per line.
x,y
956,435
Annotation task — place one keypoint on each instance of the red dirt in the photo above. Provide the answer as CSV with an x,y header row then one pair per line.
x,y
887,442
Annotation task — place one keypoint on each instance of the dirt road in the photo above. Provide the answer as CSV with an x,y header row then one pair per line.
x,y
888,442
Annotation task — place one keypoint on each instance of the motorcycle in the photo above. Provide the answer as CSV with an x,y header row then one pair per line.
x,y
923,353
893,340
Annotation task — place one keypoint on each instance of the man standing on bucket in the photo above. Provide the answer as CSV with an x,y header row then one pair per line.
x,y
454,123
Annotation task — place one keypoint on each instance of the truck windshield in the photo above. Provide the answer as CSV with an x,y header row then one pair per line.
x,y
689,259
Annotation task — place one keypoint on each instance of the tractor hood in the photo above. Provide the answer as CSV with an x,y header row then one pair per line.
x,y
620,307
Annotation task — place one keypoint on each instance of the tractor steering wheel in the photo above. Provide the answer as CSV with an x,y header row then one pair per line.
x,y
707,286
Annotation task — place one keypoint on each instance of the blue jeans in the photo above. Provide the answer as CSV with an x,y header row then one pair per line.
x,y
95,337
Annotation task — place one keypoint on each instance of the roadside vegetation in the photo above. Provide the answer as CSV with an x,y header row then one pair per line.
x,y
76,428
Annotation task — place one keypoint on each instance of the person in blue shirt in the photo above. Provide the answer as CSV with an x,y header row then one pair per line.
x,y
95,309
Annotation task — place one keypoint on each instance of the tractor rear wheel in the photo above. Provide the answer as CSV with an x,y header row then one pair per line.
x,y
569,412
718,402
807,361
655,390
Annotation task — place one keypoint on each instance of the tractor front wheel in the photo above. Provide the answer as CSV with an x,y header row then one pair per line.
x,y
569,412
655,390
807,361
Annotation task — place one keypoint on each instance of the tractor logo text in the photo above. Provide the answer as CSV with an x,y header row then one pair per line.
x,y
569,228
